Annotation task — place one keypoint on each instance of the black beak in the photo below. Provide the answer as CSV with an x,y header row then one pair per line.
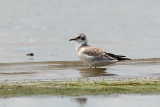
x,y
72,39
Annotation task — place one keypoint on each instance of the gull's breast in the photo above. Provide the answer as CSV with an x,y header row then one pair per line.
x,y
84,57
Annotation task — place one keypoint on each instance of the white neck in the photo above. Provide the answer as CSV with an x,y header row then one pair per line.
x,y
80,44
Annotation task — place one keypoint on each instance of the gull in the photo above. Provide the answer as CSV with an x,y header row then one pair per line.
x,y
94,57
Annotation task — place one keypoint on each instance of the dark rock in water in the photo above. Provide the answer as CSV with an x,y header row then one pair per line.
x,y
30,54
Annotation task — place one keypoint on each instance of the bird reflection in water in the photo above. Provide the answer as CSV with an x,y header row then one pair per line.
x,y
95,72
80,101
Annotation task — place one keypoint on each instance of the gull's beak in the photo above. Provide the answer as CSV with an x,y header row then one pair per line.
x,y
73,39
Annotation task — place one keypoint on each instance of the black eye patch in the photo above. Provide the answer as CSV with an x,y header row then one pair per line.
x,y
83,38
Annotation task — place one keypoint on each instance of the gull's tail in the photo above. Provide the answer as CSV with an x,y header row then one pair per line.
x,y
118,57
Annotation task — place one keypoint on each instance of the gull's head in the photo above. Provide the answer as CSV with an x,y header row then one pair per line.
x,y
80,38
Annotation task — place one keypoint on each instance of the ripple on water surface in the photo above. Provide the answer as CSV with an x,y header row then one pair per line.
x,y
57,70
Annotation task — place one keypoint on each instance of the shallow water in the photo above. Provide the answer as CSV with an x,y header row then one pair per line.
x,y
60,70
83,101
125,27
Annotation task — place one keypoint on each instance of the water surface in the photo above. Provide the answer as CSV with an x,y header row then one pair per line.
x,y
83,101
61,70
125,27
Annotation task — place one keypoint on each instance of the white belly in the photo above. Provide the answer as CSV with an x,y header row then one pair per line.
x,y
93,61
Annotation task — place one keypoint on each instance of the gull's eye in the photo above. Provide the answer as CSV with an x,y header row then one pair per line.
x,y
83,38
78,37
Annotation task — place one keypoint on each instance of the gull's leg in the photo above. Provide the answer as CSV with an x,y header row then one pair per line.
x,y
95,66
90,66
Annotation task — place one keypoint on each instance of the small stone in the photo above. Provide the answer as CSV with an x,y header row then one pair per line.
x,y
30,54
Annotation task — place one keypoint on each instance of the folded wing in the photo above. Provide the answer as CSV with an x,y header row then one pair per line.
x,y
96,52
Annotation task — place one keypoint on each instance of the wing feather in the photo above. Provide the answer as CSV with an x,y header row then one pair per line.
x,y
100,54
96,52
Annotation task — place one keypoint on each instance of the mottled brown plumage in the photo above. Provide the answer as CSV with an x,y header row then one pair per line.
x,y
92,51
